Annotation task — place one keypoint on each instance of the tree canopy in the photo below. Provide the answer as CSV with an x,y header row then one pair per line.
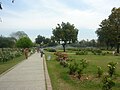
x,y
6,42
109,31
43,41
24,42
40,39
66,33
18,34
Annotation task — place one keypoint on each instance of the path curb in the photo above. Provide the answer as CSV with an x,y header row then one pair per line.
x,y
47,78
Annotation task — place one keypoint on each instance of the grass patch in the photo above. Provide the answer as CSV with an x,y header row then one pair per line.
x,y
61,80
7,65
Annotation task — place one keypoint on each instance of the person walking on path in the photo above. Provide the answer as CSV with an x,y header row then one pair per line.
x,y
26,50
42,52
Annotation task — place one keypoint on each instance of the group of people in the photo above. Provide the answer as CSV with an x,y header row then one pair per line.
x,y
26,52
41,51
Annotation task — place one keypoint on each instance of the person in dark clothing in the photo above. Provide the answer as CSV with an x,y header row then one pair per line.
x,y
42,52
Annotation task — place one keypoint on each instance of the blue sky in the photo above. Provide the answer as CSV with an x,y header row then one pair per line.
x,y
36,17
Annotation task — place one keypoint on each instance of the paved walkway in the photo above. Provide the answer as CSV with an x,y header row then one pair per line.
x,y
28,75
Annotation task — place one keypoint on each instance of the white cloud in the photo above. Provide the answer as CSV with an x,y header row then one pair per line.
x,y
44,14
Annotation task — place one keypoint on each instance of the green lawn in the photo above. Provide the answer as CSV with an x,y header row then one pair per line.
x,y
7,65
61,80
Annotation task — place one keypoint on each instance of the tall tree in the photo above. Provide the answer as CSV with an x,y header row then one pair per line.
x,y
109,31
47,41
18,34
24,42
65,33
40,39
106,33
115,20
93,43
6,42
43,41
52,41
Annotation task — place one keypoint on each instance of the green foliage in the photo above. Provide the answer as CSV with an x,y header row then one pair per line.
x,y
24,42
18,54
45,42
112,68
50,49
82,52
109,31
66,33
78,67
72,49
87,43
97,51
8,54
100,71
61,79
61,56
73,68
103,53
108,83
64,63
79,72
40,39
82,65
7,42
19,34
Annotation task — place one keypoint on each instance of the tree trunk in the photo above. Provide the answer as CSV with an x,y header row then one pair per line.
x,y
117,47
107,43
63,47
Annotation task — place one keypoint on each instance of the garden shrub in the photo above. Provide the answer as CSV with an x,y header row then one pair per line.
x,y
72,49
107,82
103,53
81,66
61,56
79,72
9,53
73,68
112,68
84,63
78,68
64,63
99,71
11,56
81,53
50,49
18,54
97,52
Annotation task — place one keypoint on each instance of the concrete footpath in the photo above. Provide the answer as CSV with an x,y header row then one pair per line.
x,y
27,75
